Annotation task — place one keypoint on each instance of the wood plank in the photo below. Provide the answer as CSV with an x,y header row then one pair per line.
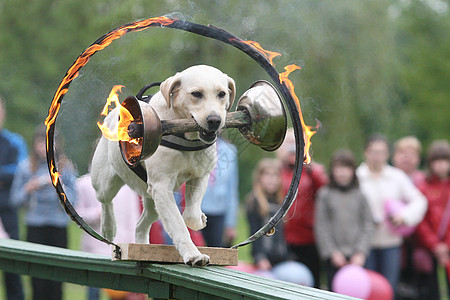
x,y
169,254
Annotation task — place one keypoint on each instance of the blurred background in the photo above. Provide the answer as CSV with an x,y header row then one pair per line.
x,y
367,66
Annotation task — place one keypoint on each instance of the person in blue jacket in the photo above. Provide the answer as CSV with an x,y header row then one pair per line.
x,y
220,203
45,218
13,149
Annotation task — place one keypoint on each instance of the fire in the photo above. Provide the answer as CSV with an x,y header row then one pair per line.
x,y
307,130
55,174
269,55
82,60
120,130
117,33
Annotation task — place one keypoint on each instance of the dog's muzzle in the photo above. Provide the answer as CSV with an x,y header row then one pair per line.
x,y
209,135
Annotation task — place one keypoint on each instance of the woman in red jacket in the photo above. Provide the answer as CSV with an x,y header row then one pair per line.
x,y
299,226
434,231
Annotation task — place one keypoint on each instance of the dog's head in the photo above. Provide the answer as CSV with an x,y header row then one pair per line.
x,y
203,93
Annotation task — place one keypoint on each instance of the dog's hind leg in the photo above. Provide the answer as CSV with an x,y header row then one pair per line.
x,y
105,196
148,217
106,184
193,216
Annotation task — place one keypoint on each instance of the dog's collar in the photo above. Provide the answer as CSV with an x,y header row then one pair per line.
x,y
179,142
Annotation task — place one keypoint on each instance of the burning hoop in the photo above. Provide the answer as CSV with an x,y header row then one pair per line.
x,y
253,49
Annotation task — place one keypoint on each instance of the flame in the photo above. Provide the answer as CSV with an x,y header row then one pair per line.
x,y
120,130
270,55
308,131
82,60
54,174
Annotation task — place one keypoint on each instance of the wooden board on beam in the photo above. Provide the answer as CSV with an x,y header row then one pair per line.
x,y
168,254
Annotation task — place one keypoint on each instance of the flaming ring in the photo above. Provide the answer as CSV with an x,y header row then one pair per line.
x,y
253,50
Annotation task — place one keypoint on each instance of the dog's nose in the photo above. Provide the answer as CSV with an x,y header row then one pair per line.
x,y
213,122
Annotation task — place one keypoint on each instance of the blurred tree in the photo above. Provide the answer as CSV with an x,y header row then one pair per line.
x,y
366,66
424,49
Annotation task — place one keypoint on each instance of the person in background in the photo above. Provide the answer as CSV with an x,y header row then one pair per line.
x,y
13,150
159,236
126,211
406,157
220,203
45,218
382,183
3,233
299,225
270,253
344,223
433,232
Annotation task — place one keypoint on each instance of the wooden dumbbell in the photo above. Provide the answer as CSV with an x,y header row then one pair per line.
x,y
260,118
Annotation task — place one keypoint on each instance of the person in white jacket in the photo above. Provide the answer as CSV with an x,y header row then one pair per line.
x,y
381,183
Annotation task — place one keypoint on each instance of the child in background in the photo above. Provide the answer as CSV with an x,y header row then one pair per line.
x,y
433,232
270,253
344,221
407,157
383,185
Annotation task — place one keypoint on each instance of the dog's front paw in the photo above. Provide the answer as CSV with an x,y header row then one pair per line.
x,y
195,223
196,260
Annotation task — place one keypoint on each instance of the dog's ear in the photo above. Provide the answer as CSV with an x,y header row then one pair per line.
x,y
170,87
232,92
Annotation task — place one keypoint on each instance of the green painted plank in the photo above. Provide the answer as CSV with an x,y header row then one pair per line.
x,y
156,280
236,284
254,279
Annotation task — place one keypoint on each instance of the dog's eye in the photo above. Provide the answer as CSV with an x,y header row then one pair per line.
x,y
197,94
221,94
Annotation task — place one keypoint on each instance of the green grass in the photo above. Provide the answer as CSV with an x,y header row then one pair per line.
x,y
243,232
443,287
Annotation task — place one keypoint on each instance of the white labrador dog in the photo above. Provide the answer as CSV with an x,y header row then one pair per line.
x,y
200,92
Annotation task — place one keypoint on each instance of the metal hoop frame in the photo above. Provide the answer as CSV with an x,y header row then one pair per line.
x,y
206,31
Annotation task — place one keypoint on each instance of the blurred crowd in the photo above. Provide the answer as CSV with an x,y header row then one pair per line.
x,y
382,214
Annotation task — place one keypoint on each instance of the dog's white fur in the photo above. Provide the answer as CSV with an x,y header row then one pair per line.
x,y
167,169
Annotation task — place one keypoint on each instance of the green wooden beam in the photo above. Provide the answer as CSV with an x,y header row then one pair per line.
x,y
175,281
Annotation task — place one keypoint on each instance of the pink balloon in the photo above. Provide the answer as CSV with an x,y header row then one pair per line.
x,y
266,274
381,289
352,280
393,207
